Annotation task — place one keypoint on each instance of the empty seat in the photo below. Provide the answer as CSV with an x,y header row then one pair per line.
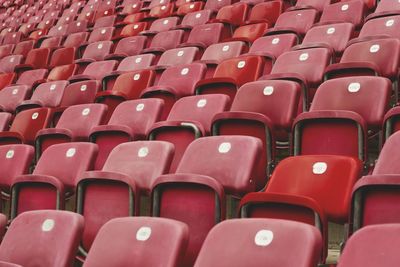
x,y
168,240
372,246
189,119
51,237
36,59
101,34
304,66
234,15
160,25
215,5
95,71
385,8
205,35
95,52
53,178
265,12
32,77
131,120
263,109
210,167
263,242
380,28
80,93
310,189
163,41
232,73
273,46
315,4
25,126
129,46
15,160
128,173
249,33
74,125
196,18
9,63
349,11
340,117
175,82
12,96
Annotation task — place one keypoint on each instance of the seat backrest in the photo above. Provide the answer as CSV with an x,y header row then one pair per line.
x,y
387,160
387,5
365,95
178,56
77,27
197,18
250,32
164,24
269,11
49,94
207,34
225,159
372,245
12,96
131,84
15,160
384,26
277,100
242,69
234,14
167,238
273,45
326,179
201,109
82,92
142,161
107,21
138,62
79,119
97,50
298,20
183,78
167,40
51,237
101,34
139,115
99,69
8,63
351,11
67,161
38,58
221,51
30,77
215,5
264,241
316,4
75,39
131,46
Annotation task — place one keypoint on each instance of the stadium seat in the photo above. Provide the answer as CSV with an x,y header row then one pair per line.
x,y
215,5
95,71
160,25
385,8
340,117
129,46
263,109
190,7
32,77
74,125
80,93
372,246
25,126
233,15
163,41
5,119
95,52
51,237
8,63
131,120
263,242
205,35
196,18
190,118
265,12
250,32
53,178
304,188
128,173
36,59
174,83
210,167
12,96
346,11
167,238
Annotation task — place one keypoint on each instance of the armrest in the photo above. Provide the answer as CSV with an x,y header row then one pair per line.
x,y
209,81
154,50
27,104
111,128
161,89
40,178
23,67
12,135
110,93
115,57
110,76
197,128
105,175
80,77
243,115
337,68
84,61
201,46
54,131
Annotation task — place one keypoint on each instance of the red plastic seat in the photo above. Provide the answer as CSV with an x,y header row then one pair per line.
x,y
233,15
129,46
128,173
372,246
74,125
101,34
190,118
95,71
12,38
249,33
380,28
75,39
266,12
262,109
163,41
8,63
309,189
272,46
385,8
175,82
215,5
12,96
340,117
209,166
264,242
80,93
232,73
32,77
25,126
196,18
314,4
167,238
52,179
190,7
350,11
52,237
131,120
160,25
95,52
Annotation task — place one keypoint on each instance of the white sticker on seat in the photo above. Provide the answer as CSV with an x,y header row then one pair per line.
x,y
14,35
138,60
53,87
136,77
12,59
100,46
201,103
198,15
319,168
180,53
140,107
143,233
78,24
163,7
354,87
83,87
224,147
263,238
165,22
88,14
225,48
184,71
40,33
241,64
374,48
135,26
70,152
303,57
85,111
10,154
35,116
389,23
134,6
60,28
15,91
330,30
345,7
48,225
275,41
103,31
47,22
191,6
268,90
143,152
